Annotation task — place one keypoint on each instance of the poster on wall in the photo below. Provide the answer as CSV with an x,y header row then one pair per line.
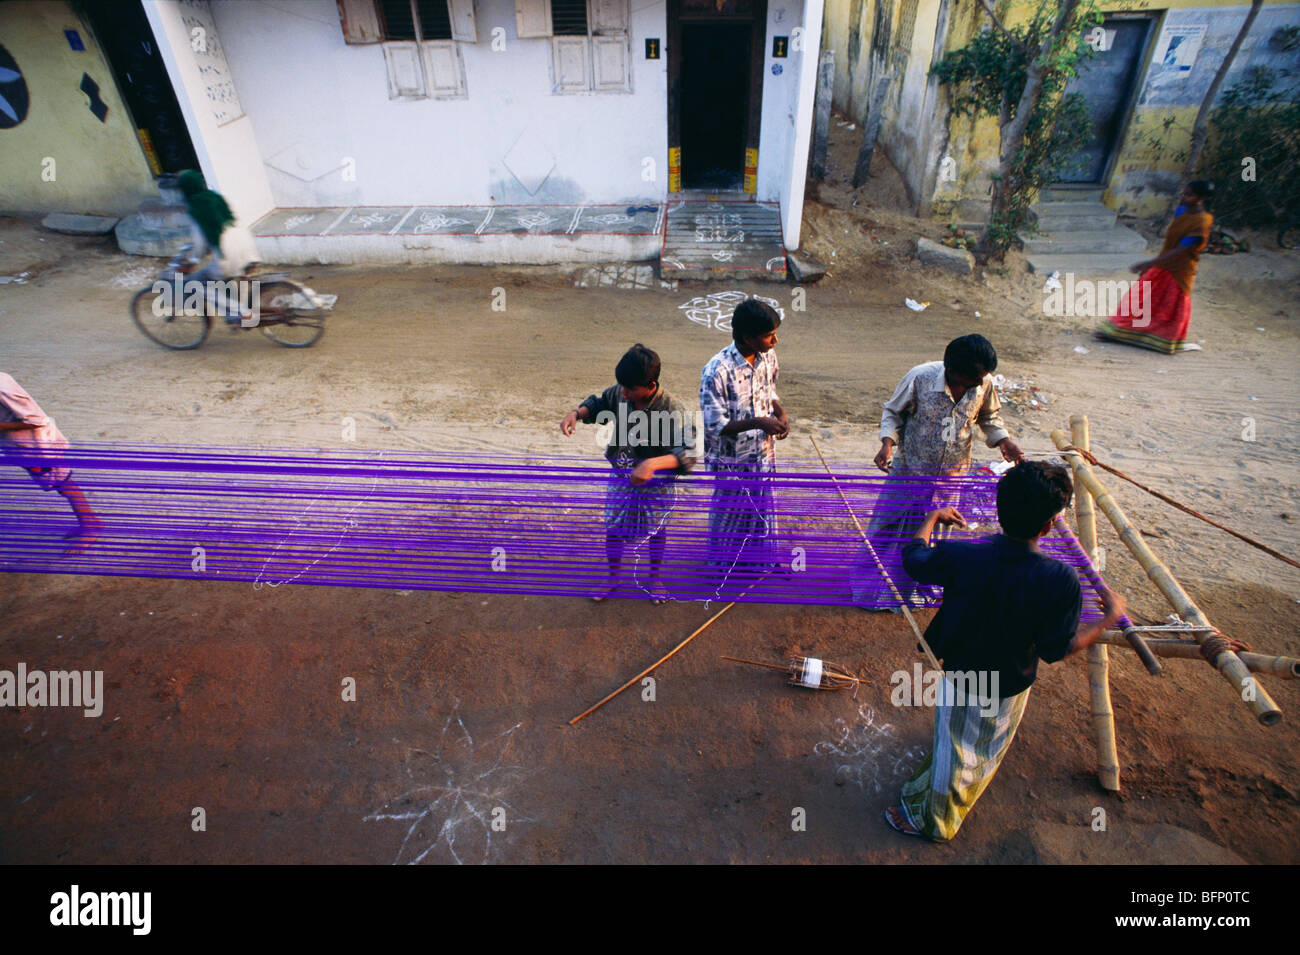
x,y
1179,46
205,46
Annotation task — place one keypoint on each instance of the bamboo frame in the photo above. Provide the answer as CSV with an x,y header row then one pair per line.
x,y
1227,662
1287,668
1103,714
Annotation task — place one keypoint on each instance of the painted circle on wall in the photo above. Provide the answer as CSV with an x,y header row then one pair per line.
x,y
13,92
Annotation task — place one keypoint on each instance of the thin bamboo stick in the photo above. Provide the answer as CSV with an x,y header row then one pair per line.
x,y
595,706
1288,668
907,611
1227,662
1103,714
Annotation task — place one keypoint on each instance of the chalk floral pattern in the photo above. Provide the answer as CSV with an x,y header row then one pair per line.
x,y
457,786
714,310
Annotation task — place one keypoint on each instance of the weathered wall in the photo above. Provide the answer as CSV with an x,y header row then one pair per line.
x,y
97,165
1149,163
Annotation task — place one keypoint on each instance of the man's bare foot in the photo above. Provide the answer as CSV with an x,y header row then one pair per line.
x,y
82,537
898,821
603,592
658,597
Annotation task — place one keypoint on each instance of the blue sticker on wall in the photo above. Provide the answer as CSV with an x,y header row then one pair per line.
x,y
74,40
776,69
13,92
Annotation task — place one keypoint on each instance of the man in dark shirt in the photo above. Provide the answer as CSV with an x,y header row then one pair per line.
x,y
1006,606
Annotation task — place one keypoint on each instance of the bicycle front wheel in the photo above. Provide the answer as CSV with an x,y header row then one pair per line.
x,y
287,317
164,321
1288,237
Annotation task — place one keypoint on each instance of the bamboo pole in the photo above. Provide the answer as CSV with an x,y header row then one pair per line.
x,y
1226,662
902,604
1103,714
1288,668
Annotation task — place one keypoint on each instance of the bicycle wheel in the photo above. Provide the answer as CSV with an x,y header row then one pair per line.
x,y
165,322
286,316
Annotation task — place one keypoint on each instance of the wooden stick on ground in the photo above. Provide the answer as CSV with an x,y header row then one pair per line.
x,y
907,612
1103,715
1225,661
647,670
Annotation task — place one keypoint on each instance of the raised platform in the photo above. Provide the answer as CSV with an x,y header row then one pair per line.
x,y
472,235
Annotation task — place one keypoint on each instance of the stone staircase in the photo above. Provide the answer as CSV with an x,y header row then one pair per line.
x,y
713,237
1079,233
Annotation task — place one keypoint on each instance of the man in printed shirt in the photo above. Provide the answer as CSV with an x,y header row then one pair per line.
x,y
742,422
932,414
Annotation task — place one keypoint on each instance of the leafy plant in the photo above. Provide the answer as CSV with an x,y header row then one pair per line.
x,y
1003,71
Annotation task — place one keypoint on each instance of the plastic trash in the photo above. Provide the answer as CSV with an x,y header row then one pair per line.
x,y
915,305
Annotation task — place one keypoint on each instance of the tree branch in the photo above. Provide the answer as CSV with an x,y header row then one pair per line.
x,y
988,8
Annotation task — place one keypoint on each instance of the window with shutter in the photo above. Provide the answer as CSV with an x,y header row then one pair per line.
x,y
532,18
435,19
360,21
569,17
405,75
399,20
446,70
569,59
600,26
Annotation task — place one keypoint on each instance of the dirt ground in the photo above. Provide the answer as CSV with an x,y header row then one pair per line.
x,y
226,698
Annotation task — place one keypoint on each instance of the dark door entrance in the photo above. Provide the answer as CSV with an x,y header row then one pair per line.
x,y
128,43
715,88
715,80
1108,81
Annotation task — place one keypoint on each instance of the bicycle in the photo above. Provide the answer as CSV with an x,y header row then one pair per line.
x,y
288,313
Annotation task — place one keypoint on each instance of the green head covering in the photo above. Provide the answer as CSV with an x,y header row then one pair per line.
x,y
206,207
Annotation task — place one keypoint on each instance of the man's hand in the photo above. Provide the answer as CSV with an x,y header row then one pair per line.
x,y
885,455
771,426
569,423
642,473
1113,606
1011,451
947,515
784,421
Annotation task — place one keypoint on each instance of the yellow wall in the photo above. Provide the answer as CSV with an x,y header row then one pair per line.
x,y
98,167
1141,176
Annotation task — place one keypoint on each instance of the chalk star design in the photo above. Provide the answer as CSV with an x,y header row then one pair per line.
x,y
458,789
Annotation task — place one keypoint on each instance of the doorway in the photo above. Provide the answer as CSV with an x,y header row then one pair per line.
x,y
128,43
715,74
715,87
1109,82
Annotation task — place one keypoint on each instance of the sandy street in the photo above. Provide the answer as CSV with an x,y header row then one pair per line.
x,y
226,698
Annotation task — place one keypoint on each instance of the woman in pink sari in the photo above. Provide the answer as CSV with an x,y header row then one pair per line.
x,y
1157,311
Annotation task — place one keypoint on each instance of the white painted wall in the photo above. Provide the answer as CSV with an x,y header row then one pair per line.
x,y
319,108
228,154
317,102
801,122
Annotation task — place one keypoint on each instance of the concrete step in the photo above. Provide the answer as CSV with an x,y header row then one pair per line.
x,y
1071,194
1118,238
1105,263
1055,217
718,239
